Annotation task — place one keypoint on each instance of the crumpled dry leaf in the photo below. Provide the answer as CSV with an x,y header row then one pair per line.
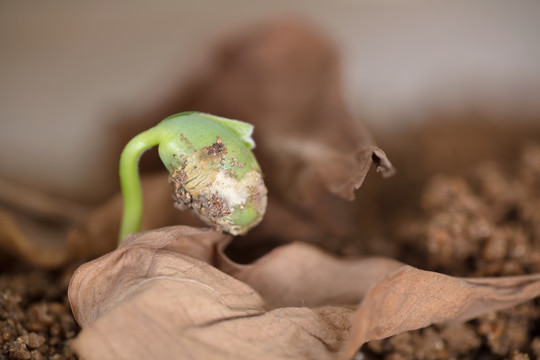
x,y
158,296
410,299
310,274
32,225
17,240
154,281
285,78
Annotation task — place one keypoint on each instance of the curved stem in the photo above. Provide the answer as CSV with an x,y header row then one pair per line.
x,y
129,179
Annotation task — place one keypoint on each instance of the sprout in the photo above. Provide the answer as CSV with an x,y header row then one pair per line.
x,y
211,166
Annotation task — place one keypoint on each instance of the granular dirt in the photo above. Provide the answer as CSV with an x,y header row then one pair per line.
x,y
35,317
483,222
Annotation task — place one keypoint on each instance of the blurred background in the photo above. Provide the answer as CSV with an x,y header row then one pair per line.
x,y
69,70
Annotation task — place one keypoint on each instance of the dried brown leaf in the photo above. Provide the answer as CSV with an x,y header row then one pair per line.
x,y
299,274
158,296
411,299
38,204
32,224
31,242
284,77
146,300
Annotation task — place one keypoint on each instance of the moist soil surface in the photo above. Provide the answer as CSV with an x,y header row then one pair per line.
x,y
465,202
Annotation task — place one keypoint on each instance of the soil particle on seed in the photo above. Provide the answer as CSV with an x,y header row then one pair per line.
x,y
235,162
181,197
193,186
214,207
209,205
217,148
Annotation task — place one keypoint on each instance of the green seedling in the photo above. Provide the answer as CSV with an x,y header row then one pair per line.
x,y
211,167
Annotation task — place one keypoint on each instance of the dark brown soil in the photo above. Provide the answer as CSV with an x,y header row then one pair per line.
x,y
35,317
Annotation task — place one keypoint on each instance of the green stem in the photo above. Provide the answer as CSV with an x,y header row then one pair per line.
x,y
129,179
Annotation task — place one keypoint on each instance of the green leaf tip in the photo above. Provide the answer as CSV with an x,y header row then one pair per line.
x,y
211,167
242,129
